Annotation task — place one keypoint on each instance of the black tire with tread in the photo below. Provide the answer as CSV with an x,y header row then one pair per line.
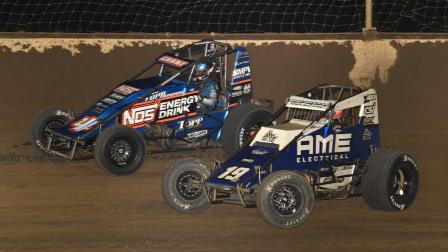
x,y
41,120
171,194
376,183
119,132
241,117
265,199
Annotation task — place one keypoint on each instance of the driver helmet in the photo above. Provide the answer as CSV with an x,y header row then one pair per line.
x,y
202,71
336,116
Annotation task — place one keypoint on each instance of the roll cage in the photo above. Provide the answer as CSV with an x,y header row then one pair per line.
x,y
325,92
206,50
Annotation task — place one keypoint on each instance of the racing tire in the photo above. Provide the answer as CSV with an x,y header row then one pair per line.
x,y
52,118
241,125
390,182
285,199
176,186
120,150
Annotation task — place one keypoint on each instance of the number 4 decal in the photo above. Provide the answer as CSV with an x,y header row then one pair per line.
x,y
233,173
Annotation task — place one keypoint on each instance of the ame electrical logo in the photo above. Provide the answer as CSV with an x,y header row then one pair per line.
x,y
315,148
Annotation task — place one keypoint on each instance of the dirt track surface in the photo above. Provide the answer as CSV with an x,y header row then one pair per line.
x,y
56,205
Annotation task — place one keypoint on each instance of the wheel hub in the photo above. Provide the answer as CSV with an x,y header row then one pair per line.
x,y
54,124
286,200
400,183
184,185
120,151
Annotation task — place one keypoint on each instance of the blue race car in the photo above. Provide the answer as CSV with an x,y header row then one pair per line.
x,y
322,144
182,101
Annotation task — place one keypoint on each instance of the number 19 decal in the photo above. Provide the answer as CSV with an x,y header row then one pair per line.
x,y
233,173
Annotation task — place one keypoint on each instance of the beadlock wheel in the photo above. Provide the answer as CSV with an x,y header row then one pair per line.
x,y
120,150
286,200
184,187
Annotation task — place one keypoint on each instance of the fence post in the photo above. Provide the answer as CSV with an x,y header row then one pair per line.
x,y
369,17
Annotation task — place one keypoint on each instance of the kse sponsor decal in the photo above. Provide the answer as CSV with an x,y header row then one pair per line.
x,y
319,148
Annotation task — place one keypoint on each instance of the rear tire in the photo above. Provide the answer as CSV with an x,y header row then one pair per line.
x,y
176,189
241,125
120,150
285,199
391,180
48,118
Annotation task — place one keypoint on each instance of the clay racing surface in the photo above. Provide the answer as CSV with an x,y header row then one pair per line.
x,y
57,205
49,204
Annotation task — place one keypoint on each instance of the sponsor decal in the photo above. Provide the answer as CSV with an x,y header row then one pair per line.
x,y
84,124
173,61
153,110
300,218
101,105
368,120
247,88
242,62
369,97
116,96
243,54
243,58
369,109
241,72
245,160
305,103
191,123
126,89
367,134
157,95
98,110
237,93
139,114
319,148
177,106
269,137
237,88
396,204
109,100
259,152
197,134
163,94
233,173
407,158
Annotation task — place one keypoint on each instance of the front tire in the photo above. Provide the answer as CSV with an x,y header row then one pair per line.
x,y
285,199
49,118
120,150
177,189
241,125
391,180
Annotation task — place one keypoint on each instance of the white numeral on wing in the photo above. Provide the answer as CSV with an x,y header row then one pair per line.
x,y
233,173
